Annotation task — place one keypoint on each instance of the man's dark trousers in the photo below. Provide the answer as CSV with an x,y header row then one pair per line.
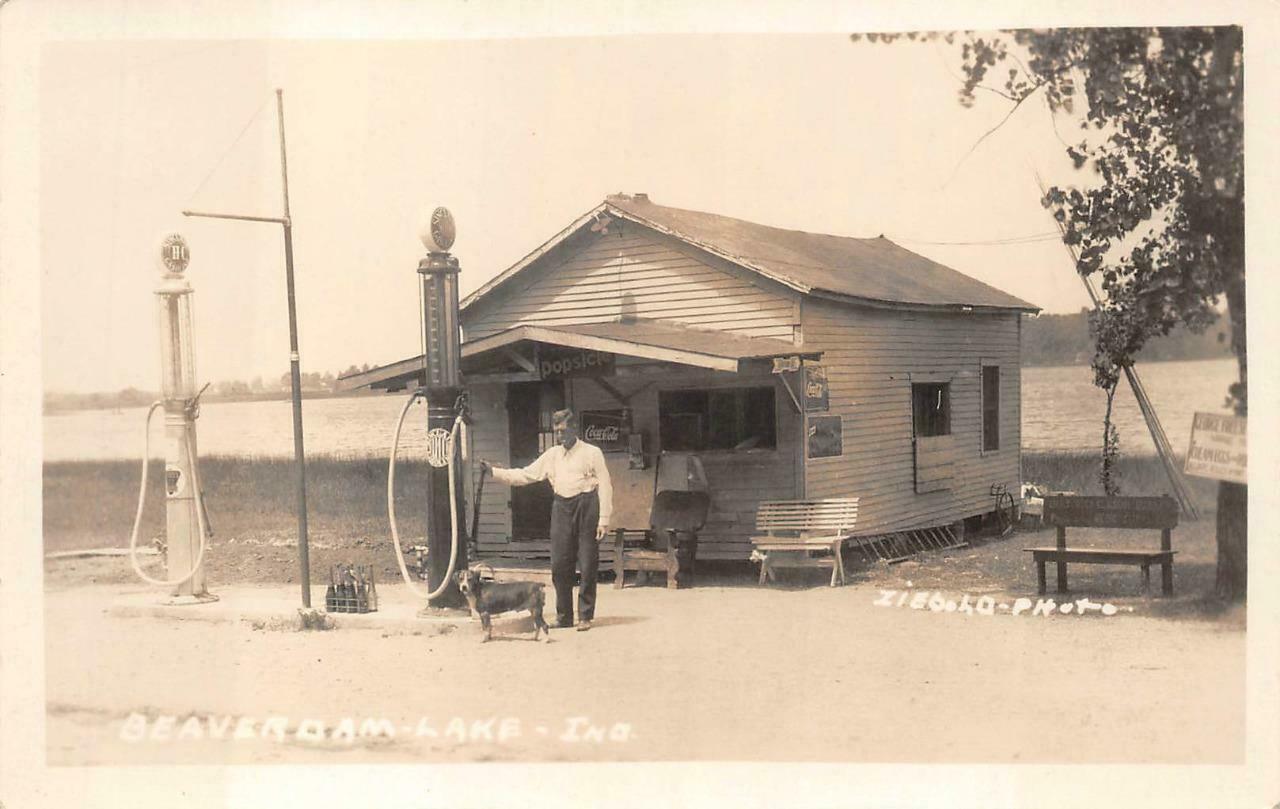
x,y
573,539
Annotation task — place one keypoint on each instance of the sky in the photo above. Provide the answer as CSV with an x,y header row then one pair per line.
x,y
517,137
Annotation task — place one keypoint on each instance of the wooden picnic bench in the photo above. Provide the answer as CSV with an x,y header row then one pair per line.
x,y
803,533
1069,511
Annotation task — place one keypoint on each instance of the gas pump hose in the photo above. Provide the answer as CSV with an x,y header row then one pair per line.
x,y
142,499
458,424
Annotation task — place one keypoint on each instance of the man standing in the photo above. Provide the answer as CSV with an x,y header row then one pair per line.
x,y
580,512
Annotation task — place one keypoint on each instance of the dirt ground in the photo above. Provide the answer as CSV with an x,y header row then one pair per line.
x,y
902,665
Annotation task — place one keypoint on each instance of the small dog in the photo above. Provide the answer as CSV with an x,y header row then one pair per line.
x,y
489,598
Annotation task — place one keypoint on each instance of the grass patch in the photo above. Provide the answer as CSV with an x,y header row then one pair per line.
x,y
252,510
1138,475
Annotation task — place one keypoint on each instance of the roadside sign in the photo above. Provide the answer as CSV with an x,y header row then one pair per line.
x,y
1219,449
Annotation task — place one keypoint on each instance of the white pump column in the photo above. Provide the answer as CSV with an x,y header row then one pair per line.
x,y
177,366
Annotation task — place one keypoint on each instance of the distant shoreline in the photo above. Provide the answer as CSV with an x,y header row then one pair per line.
x,y
59,402
56,403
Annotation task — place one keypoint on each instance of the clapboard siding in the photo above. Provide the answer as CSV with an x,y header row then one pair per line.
x,y
638,274
871,356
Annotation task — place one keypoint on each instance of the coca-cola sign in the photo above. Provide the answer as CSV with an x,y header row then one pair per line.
x,y
816,397
607,429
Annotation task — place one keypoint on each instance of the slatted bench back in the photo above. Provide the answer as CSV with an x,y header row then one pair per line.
x,y
836,515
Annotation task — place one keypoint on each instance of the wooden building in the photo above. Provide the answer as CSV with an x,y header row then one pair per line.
x,y
796,365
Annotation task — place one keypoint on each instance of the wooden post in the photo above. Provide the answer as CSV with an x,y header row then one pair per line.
x,y
1062,562
1166,567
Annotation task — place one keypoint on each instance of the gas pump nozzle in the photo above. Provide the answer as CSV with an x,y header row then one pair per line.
x,y
192,407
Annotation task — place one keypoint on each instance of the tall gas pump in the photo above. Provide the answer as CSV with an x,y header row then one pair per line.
x,y
186,521
446,416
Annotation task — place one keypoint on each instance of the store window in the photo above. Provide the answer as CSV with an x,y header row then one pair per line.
x,y
990,408
699,420
931,408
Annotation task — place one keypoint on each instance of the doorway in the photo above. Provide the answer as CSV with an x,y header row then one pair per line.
x,y
529,409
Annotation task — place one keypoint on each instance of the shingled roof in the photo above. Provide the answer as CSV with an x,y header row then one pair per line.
x,y
870,270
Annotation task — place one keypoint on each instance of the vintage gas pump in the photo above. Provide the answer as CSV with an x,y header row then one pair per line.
x,y
186,521
446,416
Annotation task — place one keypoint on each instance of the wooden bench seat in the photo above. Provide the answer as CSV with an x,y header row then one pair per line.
x,y
803,533
1103,556
1064,511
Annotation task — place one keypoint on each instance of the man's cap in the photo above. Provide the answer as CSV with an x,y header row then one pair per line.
x,y
562,417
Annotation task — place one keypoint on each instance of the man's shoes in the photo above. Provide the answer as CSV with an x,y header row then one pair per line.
x,y
583,626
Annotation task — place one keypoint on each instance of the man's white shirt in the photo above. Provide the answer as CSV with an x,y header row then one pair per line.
x,y
571,472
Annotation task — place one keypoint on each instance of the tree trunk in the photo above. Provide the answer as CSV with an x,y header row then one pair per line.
x,y
1233,498
1233,547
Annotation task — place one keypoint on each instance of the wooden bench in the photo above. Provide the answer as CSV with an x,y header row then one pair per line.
x,y
803,533
1064,511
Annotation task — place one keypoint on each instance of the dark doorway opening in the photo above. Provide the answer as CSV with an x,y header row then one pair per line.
x,y
529,409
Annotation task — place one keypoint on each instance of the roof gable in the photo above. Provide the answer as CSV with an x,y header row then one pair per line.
x,y
868,270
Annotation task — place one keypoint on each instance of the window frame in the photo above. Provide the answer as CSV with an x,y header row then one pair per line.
x,y
982,396
917,395
741,394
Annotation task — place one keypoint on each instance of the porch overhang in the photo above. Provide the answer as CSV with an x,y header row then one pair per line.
x,y
641,340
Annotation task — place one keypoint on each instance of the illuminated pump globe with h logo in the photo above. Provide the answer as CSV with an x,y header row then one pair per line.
x,y
438,231
174,253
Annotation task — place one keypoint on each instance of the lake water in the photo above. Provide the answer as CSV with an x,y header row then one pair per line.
x,y
1061,410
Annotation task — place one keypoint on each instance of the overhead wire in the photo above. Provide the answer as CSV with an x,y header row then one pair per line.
x,y
228,150
1030,238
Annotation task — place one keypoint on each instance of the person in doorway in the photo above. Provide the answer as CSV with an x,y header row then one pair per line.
x,y
580,513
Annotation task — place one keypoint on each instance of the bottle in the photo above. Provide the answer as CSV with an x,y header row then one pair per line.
x,y
362,595
373,592
331,595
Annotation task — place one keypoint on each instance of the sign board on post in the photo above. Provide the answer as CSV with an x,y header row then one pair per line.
x,y
1219,448
565,363
816,397
825,437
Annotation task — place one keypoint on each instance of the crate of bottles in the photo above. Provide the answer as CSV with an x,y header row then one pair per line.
x,y
351,589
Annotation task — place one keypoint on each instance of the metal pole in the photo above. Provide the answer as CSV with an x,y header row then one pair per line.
x,y
295,372
242,217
